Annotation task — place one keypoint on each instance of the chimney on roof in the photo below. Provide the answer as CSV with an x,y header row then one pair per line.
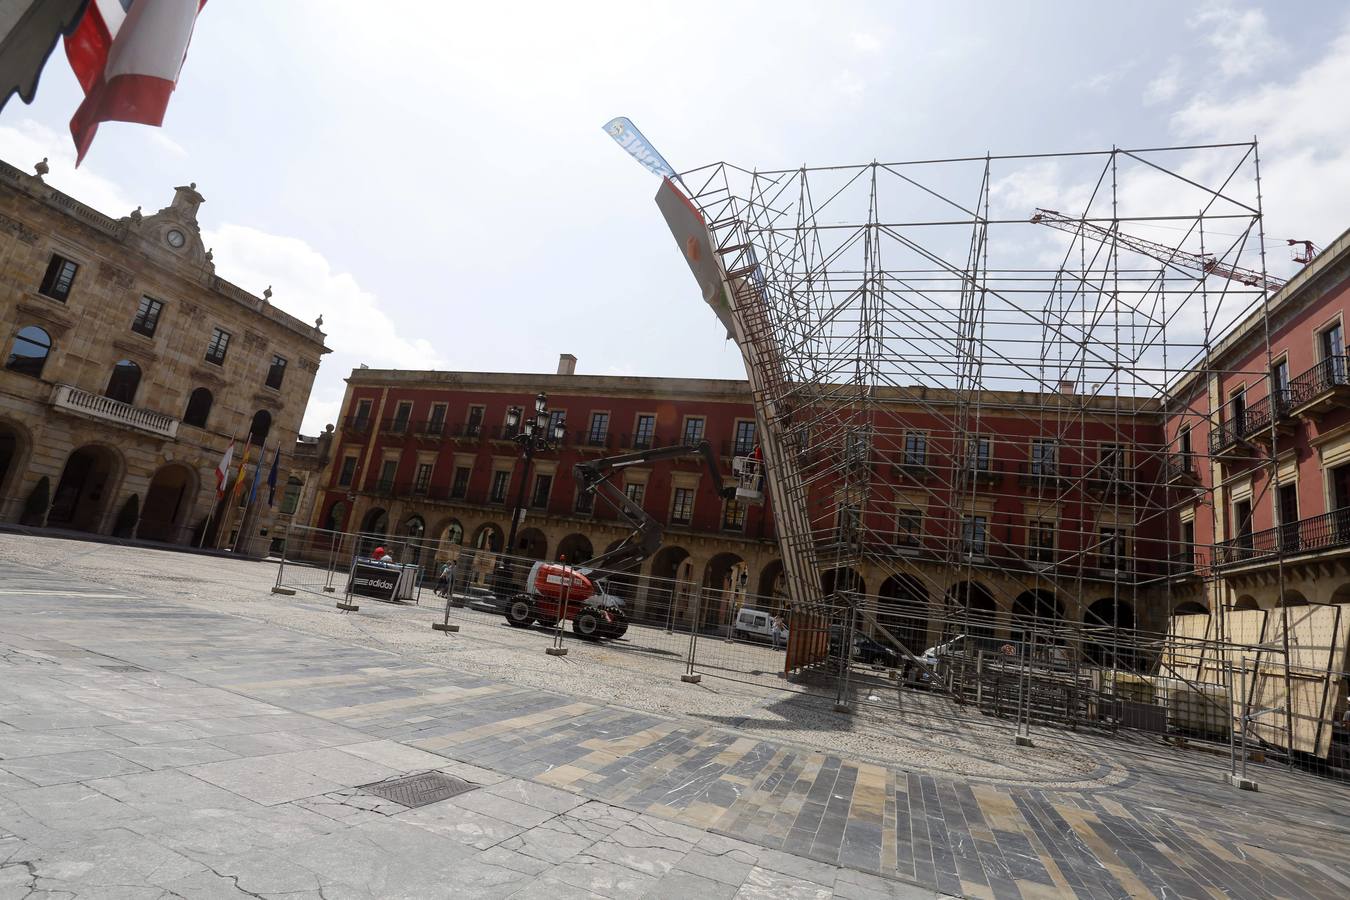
x,y
567,364
1066,386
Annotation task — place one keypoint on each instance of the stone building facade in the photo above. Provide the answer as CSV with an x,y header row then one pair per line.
x,y
130,366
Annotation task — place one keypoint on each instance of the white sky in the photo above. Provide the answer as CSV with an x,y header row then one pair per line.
x,y
433,178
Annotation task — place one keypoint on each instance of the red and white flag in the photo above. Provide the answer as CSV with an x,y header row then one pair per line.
x,y
223,470
127,55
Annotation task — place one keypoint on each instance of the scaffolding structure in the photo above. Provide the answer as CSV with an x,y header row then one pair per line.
x,y
985,414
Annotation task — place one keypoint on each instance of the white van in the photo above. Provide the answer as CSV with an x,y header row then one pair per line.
x,y
756,623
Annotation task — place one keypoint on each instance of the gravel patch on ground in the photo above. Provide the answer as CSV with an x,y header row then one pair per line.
x,y
642,672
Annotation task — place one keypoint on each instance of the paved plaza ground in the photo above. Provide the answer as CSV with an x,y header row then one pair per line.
x,y
168,727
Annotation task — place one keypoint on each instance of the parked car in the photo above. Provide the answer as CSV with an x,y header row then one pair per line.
x,y
756,623
873,652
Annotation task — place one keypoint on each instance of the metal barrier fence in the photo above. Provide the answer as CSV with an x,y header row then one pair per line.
x,y
864,653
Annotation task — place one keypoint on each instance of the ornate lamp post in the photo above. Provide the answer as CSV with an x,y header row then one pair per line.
x,y
537,434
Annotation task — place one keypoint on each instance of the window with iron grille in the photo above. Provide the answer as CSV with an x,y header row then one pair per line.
x,y
745,439
908,527
362,417
1044,454
57,281
636,491
556,417
1112,549
388,472
642,435
1113,462
348,471
276,372
974,535
423,482
402,413
598,430
147,317
980,454
220,342
436,421
916,448
500,481
459,488
693,429
474,424
733,516
849,524
1041,541
543,484
682,507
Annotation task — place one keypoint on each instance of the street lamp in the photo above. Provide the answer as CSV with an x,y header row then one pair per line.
x,y
539,433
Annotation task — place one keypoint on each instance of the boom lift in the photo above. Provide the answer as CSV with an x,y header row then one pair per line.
x,y
555,591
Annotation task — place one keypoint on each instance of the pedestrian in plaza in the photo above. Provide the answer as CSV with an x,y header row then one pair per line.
x,y
779,630
447,579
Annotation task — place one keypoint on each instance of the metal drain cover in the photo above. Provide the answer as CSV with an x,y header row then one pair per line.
x,y
123,668
413,791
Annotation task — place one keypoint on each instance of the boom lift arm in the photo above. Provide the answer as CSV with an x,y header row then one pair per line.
x,y
593,476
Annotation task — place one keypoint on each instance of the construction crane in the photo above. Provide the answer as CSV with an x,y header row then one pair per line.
x,y
1199,262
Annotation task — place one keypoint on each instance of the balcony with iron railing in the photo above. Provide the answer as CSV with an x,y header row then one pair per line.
x,y
357,425
983,472
1181,468
1043,475
70,399
1316,534
398,425
1322,388
1269,412
1110,479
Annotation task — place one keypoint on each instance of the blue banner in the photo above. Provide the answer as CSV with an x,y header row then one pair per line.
x,y
627,136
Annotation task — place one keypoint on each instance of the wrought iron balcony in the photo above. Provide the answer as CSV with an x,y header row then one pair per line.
x,y
68,398
1329,531
1043,474
1181,468
987,472
1321,388
1264,413
396,425
357,425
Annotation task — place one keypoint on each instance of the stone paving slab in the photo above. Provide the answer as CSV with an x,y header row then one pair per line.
x,y
576,798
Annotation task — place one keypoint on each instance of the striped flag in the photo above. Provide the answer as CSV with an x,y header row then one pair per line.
x,y
243,465
126,55
223,470
272,477
257,473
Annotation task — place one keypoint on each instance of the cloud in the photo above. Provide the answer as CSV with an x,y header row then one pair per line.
x,y
157,137
24,143
305,284
1303,124
1165,86
1241,38
866,42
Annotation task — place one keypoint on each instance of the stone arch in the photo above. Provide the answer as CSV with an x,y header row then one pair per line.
x,y
414,532
124,526
1291,597
670,591
336,516
1246,601
772,585
843,578
1109,637
575,548
450,532
488,537
123,382
902,609
970,611
29,351
531,543
87,485
15,445
260,427
1190,608
198,407
725,577
35,505
168,504
374,528
1341,594
1037,613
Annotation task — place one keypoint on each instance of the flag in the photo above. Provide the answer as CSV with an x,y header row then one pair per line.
x,y
243,465
257,473
223,470
127,54
627,136
272,477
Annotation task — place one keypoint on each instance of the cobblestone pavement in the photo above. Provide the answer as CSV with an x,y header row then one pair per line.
x,y
151,748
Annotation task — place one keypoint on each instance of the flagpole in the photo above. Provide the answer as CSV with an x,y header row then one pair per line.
x,y
233,492
252,495
215,501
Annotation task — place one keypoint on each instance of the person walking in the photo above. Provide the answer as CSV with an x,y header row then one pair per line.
x,y
447,579
779,631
